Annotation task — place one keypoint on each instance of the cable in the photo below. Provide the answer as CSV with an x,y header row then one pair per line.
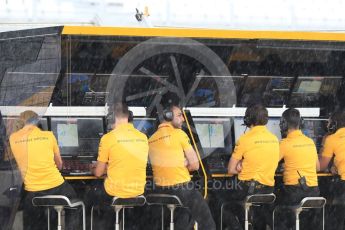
x,y
197,153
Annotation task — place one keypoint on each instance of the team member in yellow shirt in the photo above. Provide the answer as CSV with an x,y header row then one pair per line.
x,y
255,158
334,146
300,165
122,156
172,158
38,158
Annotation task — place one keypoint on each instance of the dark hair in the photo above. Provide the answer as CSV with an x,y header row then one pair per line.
x,y
338,117
121,110
256,115
292,118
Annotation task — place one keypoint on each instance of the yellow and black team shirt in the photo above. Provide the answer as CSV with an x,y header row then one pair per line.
x,y
259,149
335,145
34,151
167,146
125,149
300,154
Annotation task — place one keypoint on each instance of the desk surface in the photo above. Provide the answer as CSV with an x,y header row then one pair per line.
x,y
213,176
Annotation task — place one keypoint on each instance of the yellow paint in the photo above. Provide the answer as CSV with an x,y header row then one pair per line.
x,y
202,33
277,175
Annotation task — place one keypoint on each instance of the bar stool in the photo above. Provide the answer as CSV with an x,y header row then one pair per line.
x,y
252,200
121,204
306,203
170,201
58,202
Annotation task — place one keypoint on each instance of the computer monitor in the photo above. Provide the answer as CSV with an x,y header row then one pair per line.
x,y
272,125
145,125
270,90
306,85
277,91
316,130
214,135
78,136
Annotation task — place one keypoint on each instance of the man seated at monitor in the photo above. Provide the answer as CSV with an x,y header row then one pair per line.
x,y
334,147
122,156
255,159
38,157
300,166
172,158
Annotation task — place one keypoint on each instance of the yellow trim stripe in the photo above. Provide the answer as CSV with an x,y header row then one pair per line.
x,y
197,153
202,33
277,175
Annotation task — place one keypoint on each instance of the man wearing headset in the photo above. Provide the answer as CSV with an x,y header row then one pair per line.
x,y
334,146
300,164
172,158
255,158
122,156
38,158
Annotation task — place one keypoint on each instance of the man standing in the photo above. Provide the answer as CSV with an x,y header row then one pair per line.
x,y
38,157
172,158
122,156
255,158
334,146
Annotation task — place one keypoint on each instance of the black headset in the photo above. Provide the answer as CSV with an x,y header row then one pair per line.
x,y
248,120
130,116
332,127
168,115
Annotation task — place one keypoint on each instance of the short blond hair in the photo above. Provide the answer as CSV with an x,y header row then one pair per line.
x,y
29,117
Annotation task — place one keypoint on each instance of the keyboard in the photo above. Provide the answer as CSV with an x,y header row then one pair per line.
x,y
217,165
76,167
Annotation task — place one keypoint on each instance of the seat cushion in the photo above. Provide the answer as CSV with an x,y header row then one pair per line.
x,y
163,199
51,200
129,202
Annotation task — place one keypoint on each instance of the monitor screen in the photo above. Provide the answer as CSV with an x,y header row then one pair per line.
x,y
308,85
270,90
145,125
277,91
214,134
272,125
315,129
78,136
253,89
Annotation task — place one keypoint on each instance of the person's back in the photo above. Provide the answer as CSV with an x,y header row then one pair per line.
x,y
259,151
254,159
300,165
334,145
34,150
300,158
256,153
38,157
126,151
122,156
167,157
